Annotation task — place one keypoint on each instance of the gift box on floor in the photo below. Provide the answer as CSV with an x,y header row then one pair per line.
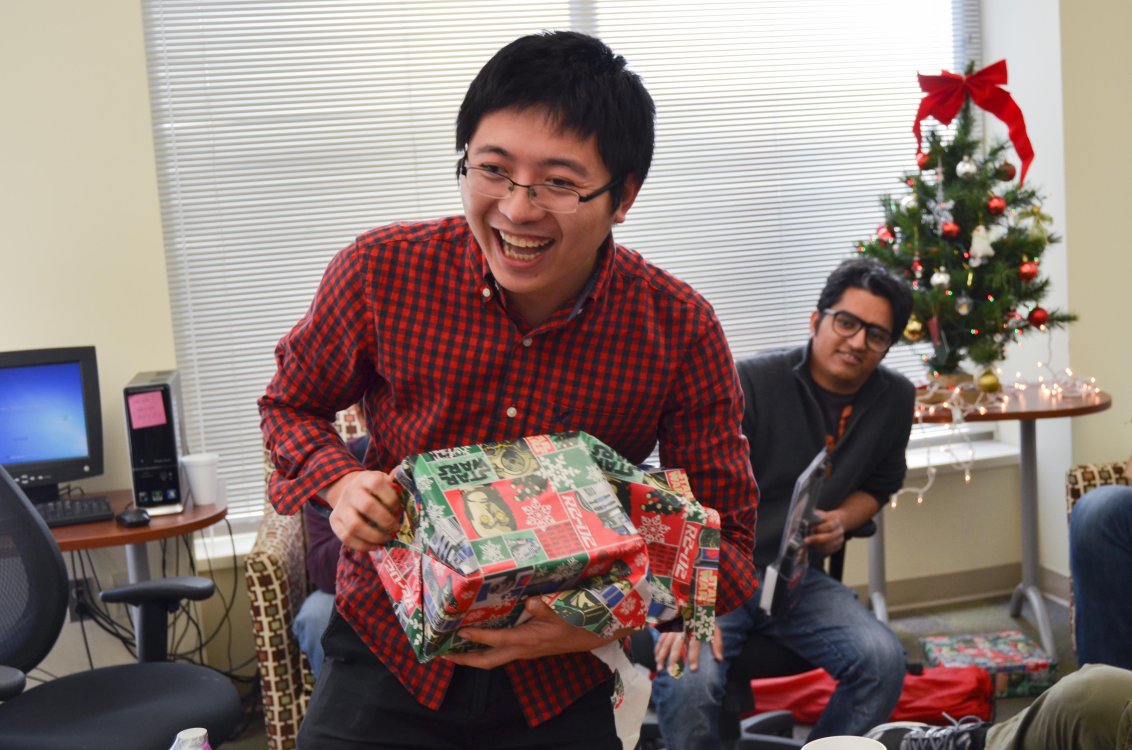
x,y
1018,666
564,517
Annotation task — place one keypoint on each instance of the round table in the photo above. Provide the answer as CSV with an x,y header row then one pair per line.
x,y
1027,407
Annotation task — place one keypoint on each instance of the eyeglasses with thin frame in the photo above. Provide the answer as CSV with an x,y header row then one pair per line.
x,y
846,325
556,199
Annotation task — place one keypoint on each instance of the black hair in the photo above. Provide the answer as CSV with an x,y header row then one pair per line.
x,y
871,275
586,88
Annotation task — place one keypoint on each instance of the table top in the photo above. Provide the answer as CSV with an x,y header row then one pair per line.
x,y
110,534
1029,404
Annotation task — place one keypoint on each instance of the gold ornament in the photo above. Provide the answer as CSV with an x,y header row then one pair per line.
x,y
914,331
988,382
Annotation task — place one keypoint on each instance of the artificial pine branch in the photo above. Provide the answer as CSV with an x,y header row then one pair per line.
x,y
997,300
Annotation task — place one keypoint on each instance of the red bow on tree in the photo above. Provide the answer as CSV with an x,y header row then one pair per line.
x,y
944,95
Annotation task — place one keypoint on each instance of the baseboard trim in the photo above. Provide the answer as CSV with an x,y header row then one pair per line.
x,y
965,586
949,588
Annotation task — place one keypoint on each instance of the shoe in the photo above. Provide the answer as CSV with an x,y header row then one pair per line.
x,y
892,734
966,734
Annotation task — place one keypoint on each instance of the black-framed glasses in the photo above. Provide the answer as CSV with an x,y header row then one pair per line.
x,y
846,325
554,198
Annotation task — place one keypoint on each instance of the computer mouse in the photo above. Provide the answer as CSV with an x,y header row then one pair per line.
x,y
132,517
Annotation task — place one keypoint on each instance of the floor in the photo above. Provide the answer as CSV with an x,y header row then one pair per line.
x,y
981,616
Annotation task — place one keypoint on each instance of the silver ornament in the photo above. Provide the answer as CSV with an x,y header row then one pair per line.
x,y
941,280
966,169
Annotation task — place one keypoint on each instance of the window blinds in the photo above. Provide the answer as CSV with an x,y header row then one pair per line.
x,y
282,129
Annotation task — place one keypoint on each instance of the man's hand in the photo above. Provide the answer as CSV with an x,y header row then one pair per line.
x,y
827,535
544,634
675,649
367,509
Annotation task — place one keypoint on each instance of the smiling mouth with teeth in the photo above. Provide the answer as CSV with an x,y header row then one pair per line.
x,y
521,249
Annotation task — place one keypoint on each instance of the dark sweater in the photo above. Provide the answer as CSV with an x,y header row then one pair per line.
x,y
784,424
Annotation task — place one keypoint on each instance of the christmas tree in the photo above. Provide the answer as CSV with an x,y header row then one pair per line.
x,y
967,237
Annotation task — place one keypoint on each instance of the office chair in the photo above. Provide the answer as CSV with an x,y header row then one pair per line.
x,y
126,707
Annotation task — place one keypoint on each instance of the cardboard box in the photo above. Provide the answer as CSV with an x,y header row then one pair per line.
x,y
487,526
1017,665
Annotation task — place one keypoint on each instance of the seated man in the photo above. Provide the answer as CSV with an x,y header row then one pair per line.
x,y
1090,708
323,548
1100,556
830,392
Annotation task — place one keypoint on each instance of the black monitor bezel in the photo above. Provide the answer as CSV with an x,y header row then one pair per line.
x,y
41,478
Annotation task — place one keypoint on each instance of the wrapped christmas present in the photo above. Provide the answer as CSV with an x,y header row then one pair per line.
x,y
607,545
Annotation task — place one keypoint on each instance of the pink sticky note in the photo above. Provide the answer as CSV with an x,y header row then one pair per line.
x,y
147,409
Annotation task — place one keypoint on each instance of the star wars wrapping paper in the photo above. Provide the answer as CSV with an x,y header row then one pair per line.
x,y
1017,665
564,517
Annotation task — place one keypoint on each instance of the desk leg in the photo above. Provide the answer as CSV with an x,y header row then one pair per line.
x,y
877,570
137,569
1028,589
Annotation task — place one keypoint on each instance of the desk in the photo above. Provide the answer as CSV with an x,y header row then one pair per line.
x,y
110,534
1027,407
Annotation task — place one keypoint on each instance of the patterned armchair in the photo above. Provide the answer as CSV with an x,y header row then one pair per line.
x,y
1079,480
277,586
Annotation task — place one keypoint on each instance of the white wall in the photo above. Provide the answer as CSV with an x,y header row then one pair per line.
x,y
1026,33
1096,59
80,224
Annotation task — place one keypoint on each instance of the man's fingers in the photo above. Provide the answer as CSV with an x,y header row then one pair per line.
x,y
693,659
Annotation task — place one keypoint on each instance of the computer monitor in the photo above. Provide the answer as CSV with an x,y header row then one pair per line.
x,y
50,418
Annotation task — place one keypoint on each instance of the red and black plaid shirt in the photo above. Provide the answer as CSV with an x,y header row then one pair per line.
x,y
408,321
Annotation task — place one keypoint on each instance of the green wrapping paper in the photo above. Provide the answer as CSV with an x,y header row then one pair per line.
x,y
607,545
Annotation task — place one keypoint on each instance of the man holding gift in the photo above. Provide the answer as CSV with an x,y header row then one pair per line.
x,y
833,393
521,317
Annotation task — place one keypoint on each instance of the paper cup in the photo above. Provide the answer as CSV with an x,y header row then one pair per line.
x,y
843,743
201,472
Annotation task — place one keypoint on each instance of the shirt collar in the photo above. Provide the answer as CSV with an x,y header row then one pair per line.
x,y
595,286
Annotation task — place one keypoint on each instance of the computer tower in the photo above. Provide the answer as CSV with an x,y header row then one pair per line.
x,y
156,438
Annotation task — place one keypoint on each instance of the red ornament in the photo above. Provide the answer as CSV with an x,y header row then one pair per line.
x,y
924,161
885,235
1028,271
1006,171
1038,317
949,229
996,205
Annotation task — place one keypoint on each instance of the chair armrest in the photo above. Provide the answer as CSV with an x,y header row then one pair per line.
x,y
1084,477
169,592
155,600
277,586
12,682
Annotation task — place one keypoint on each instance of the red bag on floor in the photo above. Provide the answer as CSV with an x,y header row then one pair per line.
x,y
957,691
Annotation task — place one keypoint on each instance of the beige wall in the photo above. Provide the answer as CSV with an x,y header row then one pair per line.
x,y
79,218
1096,56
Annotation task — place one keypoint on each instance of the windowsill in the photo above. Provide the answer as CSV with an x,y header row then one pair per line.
x,y
950,457
221,551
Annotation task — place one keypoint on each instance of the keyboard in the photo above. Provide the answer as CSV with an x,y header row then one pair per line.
x,y
79,510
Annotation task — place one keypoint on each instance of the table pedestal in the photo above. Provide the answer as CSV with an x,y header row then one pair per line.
x,y
1027,590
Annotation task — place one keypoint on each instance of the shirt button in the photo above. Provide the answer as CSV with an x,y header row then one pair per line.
x,y
486,292
512,411
527,341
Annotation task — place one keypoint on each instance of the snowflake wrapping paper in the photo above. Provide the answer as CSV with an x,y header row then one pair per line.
x,y
606,544
1017,665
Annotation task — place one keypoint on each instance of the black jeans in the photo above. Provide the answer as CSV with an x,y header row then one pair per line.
x,y
358,703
